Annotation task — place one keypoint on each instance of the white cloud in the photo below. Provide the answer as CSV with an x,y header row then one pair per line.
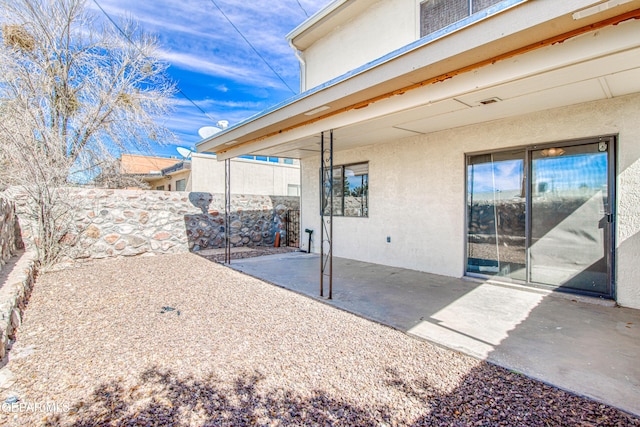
x,y
195,37
195,62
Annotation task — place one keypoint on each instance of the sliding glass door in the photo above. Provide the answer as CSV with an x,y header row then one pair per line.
x,y
569,217
496,214
543,215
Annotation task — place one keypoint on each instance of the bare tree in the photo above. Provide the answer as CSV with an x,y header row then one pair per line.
x,y
73,93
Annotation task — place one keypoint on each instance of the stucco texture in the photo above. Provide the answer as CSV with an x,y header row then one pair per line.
x,y
417,189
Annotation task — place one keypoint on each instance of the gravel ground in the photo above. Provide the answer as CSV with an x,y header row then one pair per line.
x,y
217,255
178,340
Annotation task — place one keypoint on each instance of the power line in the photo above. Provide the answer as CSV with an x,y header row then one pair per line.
x,y
252,47
126,36
305,12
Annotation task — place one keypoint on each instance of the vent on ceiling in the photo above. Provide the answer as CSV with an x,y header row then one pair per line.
x,y
489,101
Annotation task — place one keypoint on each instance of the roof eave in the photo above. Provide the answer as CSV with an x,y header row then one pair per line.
x,y
316,18
387,72
345,85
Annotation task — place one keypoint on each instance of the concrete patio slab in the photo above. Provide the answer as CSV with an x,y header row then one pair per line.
x,y
583,345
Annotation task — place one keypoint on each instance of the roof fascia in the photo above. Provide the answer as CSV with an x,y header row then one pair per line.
x,y
262,125
321,23
317,17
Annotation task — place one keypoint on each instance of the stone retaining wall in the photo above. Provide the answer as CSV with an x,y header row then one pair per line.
x,y
9,231
15,289
254,220
16,279
111,223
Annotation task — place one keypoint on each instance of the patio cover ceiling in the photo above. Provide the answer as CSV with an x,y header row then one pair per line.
x,y
494,68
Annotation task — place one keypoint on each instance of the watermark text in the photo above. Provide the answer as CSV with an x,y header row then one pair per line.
x,y
41,407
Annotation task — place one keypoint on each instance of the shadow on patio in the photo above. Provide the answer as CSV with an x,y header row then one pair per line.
x,y
585,347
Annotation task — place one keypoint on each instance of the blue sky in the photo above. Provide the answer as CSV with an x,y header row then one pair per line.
x,y
568,172
210,61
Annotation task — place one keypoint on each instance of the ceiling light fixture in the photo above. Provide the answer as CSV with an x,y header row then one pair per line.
x,y
552,152
598,8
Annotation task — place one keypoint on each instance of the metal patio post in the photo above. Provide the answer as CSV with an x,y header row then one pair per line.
x,y
227,211
326,182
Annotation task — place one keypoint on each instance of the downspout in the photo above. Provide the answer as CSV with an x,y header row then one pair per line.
x,y
303,66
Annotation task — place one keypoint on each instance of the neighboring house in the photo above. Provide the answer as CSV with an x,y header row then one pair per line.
x,y
482,138
176,177
143,168
143,165
266,176
136,164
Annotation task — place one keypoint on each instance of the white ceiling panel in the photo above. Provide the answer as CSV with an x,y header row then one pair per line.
x,y
551,98
302,144
624,83
556,78
372,130
427,110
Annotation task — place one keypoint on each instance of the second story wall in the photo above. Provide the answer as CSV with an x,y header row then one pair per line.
x,y
348,34
364,34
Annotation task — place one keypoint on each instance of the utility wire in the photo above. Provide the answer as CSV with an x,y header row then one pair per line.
x,y
305,12
252,47
140,50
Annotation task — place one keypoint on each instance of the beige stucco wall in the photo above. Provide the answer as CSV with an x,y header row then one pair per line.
x,y
417,189
384,27
171,180
247,176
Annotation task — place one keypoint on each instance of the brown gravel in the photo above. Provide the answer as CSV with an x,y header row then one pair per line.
x,y
228,349
217,255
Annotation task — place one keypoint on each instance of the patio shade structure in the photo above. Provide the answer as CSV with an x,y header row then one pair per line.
x,y
521,59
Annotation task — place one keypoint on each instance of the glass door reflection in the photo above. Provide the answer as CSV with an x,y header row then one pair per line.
x,y
569,217
496,215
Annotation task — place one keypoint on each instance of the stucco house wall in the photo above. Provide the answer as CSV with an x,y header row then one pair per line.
x,y
169,182
516,74
417,189
247,176
380,28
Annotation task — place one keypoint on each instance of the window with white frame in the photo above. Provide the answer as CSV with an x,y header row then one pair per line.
x,y
181,185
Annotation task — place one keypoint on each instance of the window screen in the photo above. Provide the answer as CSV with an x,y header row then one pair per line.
x,y
437,14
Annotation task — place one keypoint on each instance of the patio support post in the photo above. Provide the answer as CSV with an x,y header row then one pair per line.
x,y
227,211
323,204
326,209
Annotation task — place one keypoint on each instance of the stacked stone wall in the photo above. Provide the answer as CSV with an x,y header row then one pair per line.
x,y
16,274
253,220
9,231
112,223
